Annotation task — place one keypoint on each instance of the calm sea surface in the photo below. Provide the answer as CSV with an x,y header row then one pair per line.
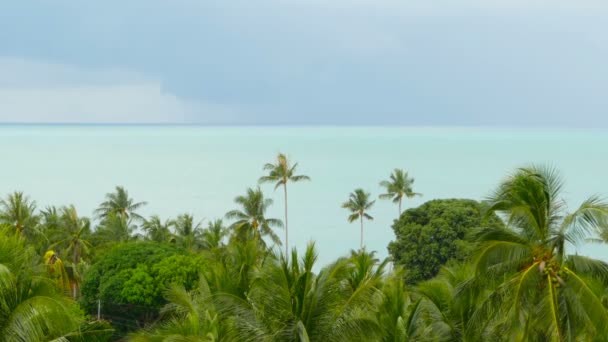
x,y
199,170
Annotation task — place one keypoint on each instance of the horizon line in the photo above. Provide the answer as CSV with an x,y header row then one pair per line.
x,y
305,125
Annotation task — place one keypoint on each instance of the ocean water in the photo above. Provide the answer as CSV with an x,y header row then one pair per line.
x,y
199,169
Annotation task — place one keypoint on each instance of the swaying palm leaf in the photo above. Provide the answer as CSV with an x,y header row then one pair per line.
x,y
188,232
289,302
18,211
251,222
399,186
119,203
539,290
157,230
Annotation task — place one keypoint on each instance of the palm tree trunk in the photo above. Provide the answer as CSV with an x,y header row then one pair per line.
x,y
74,281
400,198
361,215
286,225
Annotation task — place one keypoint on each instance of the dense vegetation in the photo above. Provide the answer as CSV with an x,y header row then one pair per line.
x,y
462,270
437,232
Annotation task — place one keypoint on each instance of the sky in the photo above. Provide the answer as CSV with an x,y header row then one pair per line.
x,y
311,62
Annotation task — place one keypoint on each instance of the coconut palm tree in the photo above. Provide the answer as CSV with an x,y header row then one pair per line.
x,y
187,231
116,227
31,306
192,316
119,203
251,221
289,302
281,173
18,211
213,235
157,230
404,316
359,204
72,234
537,285
447,302
399,186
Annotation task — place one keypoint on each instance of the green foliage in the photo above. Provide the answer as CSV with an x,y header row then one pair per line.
x,y
32,307
140,287
538,284
434,234
398,186
120,204
188,232
476,278
124,280
250,222
19,212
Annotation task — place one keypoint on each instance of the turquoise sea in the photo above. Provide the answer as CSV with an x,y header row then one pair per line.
x,y
200,169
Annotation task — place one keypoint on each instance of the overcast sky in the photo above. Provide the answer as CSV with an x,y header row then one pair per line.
x,y
409,62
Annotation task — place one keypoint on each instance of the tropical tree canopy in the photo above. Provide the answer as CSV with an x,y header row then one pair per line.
x,y
436,233
506,269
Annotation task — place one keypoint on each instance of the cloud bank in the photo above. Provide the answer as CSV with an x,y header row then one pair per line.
x,y
40,92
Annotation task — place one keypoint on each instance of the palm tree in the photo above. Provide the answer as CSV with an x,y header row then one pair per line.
x,y
119,203
213,235
251,221
537,285
399,186
116,227
402,315
448,302
287,301
281,173
31,306
192,316
358,204
187,231
157,230
18,211
72,234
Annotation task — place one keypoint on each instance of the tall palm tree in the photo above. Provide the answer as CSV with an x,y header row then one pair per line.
x,y
187,231
539,286
359,204
119,203
157,230
281,173
399,186
18,211
251,221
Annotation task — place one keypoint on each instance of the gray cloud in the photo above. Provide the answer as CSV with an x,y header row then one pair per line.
x,y
349,62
